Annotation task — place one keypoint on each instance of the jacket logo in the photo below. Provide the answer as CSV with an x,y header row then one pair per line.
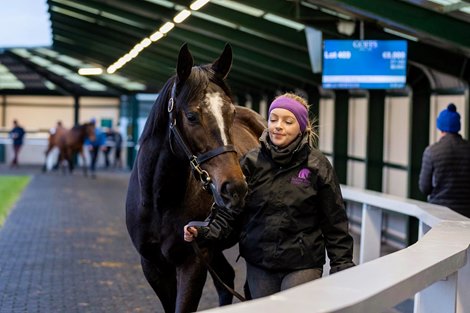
x,y
303,178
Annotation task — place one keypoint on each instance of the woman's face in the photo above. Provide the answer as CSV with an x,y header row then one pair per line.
x,y
283,127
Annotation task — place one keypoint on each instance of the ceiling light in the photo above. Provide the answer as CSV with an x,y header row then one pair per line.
x,y
156,36
166,27
196,5
182,16
146,42
90,71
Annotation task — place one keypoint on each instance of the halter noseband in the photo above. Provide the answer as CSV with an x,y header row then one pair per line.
x,y
196,161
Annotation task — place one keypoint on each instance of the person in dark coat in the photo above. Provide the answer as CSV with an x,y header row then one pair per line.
x,y
445,168
294,208
16,134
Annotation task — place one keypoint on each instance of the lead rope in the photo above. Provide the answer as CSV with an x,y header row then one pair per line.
x,y
214,274
198,252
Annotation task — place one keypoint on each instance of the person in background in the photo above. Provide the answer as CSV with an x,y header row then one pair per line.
x,y
17,134
109,133
294,209
117,148
95,147
445,167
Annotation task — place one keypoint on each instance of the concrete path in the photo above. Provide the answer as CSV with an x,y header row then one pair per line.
x,y
65,248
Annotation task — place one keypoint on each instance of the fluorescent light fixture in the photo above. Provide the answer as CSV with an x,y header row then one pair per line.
x,y
196,5
146,42
90,71
239,7
166,27
283,21
181,16
156,36
400,34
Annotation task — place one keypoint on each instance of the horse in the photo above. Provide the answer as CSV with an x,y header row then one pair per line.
x,y
70,142
191,142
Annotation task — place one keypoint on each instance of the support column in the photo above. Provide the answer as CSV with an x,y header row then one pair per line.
x,y
134,109
420,113
375,141
340,144
76,110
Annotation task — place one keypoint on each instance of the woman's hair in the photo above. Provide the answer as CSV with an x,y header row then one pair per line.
x,y
311,122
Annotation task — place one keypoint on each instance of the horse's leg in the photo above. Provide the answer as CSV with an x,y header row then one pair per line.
x,y
162,279
63,156
225,271
46,154
191,277
70,156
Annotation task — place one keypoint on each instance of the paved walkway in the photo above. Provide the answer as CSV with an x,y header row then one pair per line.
x,y
65,248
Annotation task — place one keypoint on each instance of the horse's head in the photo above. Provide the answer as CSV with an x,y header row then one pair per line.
x,y
203,115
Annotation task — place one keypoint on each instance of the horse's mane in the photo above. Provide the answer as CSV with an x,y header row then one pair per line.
x,y
189,90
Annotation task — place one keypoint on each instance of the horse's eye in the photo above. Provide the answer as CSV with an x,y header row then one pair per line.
x,y
192,117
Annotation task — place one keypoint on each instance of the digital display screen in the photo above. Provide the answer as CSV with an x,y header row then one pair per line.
x,y
364,64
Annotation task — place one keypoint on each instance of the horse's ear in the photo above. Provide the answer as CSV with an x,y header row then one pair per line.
x,y
222,65
185,63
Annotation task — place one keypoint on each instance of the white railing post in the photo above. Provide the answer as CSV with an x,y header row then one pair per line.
x,y
371,231
463,285
440,297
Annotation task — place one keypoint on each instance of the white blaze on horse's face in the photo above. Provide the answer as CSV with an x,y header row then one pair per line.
x,y
216,102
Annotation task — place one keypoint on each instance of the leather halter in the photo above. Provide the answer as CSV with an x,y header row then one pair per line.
x,y
196,161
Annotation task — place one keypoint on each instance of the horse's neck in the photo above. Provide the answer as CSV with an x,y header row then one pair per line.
x,y
171,177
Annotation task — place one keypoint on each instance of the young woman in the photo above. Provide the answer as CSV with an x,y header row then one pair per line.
x,y
294,208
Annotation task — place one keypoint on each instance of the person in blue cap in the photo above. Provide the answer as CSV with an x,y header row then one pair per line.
x,y
445,168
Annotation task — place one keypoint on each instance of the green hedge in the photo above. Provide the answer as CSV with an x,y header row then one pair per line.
x,y
10,190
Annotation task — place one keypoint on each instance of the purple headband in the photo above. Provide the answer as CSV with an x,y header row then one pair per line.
x,y
293,106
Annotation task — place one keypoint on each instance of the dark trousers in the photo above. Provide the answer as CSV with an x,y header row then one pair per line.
x,y
264,282
94,157
16,153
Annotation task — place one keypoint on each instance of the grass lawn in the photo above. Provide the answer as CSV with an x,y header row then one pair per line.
x,y
10,190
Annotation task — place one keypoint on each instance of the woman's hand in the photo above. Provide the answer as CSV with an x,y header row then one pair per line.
x,y
189,233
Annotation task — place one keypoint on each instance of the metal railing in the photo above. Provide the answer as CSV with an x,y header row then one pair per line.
x,y
434,270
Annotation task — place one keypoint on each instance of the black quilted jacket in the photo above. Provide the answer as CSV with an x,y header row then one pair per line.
x,y
445,173
292,213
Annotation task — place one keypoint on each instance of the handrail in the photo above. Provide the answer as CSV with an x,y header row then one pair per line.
x,y
431,267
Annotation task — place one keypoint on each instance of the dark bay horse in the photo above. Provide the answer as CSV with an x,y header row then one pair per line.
x,y
70,142
193,118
